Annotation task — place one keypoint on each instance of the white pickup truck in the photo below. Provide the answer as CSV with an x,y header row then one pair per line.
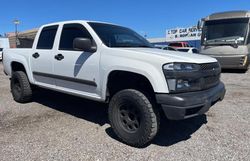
x,y
113,64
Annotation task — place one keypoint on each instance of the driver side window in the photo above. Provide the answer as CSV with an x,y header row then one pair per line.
x,y
69,33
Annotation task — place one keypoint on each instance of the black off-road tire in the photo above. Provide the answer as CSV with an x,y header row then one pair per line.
x,y
133,117
20,87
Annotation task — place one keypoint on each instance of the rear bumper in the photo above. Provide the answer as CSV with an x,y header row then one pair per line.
x,y
186,105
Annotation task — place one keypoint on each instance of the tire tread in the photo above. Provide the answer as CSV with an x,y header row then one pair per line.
x,y
26,94
151,113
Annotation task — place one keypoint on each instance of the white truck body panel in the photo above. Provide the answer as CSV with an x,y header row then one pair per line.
x,y
95,67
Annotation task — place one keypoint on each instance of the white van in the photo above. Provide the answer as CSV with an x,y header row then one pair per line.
x,y
4,43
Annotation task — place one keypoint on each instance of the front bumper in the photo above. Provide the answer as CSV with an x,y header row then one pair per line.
x,y
186,105
233,61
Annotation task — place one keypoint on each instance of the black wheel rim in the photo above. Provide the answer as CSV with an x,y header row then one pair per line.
x,y
129,117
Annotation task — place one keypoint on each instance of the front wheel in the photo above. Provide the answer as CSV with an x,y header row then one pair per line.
x,y
133,118
20,87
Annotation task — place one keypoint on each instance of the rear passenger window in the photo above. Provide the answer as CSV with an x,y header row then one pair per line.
x,y
69,33
47,37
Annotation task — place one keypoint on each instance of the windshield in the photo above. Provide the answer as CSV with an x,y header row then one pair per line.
x,y
117,36
225,31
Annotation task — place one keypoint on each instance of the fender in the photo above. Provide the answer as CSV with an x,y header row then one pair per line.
x,y
152,74
22,60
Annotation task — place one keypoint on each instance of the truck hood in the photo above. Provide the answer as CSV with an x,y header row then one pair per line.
x,y
174,56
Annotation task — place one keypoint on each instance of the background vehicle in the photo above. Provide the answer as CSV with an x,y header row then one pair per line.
x,y
226,37
182,49
179,44
169,48
113,64
188,50
4,43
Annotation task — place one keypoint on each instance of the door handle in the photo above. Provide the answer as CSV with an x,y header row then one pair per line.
x,y
59,57
35,55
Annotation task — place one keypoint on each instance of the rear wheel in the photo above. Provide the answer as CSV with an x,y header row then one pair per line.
x,y
133,117
20,87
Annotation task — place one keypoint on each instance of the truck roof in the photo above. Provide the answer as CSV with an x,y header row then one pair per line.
x,y
74,21
228,15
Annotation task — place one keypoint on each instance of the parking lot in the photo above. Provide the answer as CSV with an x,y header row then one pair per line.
x,y
61,127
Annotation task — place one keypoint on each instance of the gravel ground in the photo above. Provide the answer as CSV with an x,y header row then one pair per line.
x,y
61,127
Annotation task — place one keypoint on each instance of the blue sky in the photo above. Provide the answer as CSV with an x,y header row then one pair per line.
x,y
144,16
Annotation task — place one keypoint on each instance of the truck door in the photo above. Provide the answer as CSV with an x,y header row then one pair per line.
x,y
42,58
76,71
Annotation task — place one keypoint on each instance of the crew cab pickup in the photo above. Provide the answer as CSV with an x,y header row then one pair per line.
x,y
113,64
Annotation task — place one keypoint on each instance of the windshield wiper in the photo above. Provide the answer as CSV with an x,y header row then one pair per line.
x,y
224,39
232,41
233,44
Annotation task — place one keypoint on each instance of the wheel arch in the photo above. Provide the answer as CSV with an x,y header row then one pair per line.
x,y
20,66
137,75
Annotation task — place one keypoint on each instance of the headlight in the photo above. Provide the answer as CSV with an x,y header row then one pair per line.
x,y
183,85
181,67
182,77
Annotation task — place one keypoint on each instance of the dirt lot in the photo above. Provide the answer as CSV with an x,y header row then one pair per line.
x,y
61,127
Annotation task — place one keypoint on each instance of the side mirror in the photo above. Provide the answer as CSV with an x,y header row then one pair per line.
x,y
200,24
84,44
